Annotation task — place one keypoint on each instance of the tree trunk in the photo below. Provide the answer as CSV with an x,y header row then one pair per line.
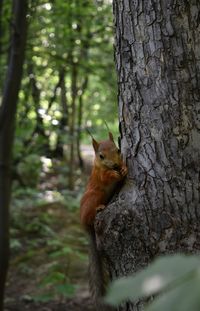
x,y
1,32
57,86
39,127
62,127
7,117
158,65
79,122
72,133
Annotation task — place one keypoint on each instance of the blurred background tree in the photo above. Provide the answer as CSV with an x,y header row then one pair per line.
x,y
9,99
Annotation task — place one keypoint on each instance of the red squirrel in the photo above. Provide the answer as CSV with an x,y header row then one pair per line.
x,y
108,172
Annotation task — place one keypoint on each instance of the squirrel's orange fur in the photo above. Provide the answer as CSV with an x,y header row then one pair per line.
x,y
108,171
107,174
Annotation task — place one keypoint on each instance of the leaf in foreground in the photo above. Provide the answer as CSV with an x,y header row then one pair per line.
x,y
156,277
184,297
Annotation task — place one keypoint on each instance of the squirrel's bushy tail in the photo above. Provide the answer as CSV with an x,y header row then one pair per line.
x,y
97,276
96,279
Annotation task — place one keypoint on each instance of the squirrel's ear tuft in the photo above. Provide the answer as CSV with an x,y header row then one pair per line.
x,y
111,136
95,145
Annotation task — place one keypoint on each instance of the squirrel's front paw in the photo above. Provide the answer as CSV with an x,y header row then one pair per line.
x,y
116,174
123,171
100,208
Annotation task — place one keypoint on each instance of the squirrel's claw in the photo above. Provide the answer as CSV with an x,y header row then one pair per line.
x,y
100,207
124,171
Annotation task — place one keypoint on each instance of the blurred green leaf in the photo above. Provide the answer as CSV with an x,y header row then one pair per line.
x,y
43,297
62,252
184,297
53,278
66,290
158,276
15,244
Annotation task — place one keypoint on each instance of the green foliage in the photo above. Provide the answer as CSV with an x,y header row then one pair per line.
x,y
46,238
4,40
58,285
15,244
61,290
176,277
29,169
72,200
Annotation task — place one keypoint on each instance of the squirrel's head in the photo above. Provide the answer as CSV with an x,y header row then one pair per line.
x,y
107,154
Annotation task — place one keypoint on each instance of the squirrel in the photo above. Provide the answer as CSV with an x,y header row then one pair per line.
x,y
107,175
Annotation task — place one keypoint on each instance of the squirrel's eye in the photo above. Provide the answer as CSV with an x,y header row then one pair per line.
x,y
101,156
118,151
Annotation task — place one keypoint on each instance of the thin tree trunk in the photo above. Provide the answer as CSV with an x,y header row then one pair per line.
x,y
64,103
39,128
36,99
158,65
59,151
72,127
59,83
80,117
7,121
26,104
1,32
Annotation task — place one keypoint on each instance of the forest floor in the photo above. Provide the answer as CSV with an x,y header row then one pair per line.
x,y
49,262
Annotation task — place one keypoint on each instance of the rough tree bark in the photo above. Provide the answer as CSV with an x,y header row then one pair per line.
x,y
158,65
7,116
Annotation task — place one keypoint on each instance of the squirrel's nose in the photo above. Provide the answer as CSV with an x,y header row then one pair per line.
x,y
115,166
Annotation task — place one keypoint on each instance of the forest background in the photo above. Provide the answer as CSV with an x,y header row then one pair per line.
x,y
68,86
